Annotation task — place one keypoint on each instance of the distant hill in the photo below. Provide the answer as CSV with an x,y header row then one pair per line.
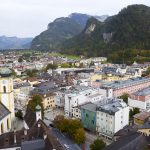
x,y
61,30
14,42
126,31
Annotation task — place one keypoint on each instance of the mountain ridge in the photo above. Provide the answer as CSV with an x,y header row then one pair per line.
x,y
129,29
59,30
14,42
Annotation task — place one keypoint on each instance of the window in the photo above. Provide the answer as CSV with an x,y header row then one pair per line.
x,y
4,89
2,128
8,124
92,121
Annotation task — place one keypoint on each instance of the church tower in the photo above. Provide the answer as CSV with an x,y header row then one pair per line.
x,y
6,90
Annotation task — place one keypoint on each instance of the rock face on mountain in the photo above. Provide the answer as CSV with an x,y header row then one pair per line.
x,y
14,43
61,30
130,29
57,32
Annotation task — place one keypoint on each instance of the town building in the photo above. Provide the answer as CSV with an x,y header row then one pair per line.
x,y
48,100
6,101
140,99
141,118
76,96
88,116
129,86
111,117
39,136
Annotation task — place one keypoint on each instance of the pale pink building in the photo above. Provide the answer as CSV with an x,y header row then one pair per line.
x,y
127,86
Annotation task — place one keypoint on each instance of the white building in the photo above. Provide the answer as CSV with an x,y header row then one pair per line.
x,y
77,96
94,98
111,117
140,99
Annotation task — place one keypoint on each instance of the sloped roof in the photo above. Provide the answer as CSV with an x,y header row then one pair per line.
x,y
135,141
34,135
3,111
30,117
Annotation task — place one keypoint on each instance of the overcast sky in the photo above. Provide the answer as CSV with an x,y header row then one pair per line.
x,y
27,18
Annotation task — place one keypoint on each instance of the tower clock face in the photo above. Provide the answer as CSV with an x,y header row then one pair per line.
x,y
4,82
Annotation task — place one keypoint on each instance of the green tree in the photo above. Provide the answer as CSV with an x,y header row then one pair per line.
x,y
98,144
125,97
72,127
148,71
19,114
20,59
133,112
13,72
36,100
31,73
51,66
65,65
79,136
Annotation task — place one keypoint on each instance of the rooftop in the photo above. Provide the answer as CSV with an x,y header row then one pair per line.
x,y
145,126
112,107
3,111
38,137
89,106
123,83
143,92
142,115
135,141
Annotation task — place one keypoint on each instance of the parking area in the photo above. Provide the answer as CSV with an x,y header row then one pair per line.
x,y
50,114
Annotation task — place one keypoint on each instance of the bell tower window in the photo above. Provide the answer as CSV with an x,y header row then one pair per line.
x,y
4,89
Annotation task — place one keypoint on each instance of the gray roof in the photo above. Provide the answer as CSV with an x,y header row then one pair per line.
x,y
112,107
38,144
44,88
109,69
26,84
135,141
143,92
125,83
5,71
89,106
144,126
3,111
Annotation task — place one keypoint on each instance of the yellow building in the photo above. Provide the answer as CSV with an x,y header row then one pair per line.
x,y
141,118
48,100
107,77
6,100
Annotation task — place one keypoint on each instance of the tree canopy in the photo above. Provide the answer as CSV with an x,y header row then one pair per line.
x,y
98,144
36,100
133,112
125,97
72,127
51,66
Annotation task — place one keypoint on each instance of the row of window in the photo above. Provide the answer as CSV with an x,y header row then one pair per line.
x,y
2,126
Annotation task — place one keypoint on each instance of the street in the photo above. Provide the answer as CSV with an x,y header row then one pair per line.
x,y
65,140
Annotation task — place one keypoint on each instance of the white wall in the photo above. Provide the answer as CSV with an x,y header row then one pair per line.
x,y
137,103
4,121
75,99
